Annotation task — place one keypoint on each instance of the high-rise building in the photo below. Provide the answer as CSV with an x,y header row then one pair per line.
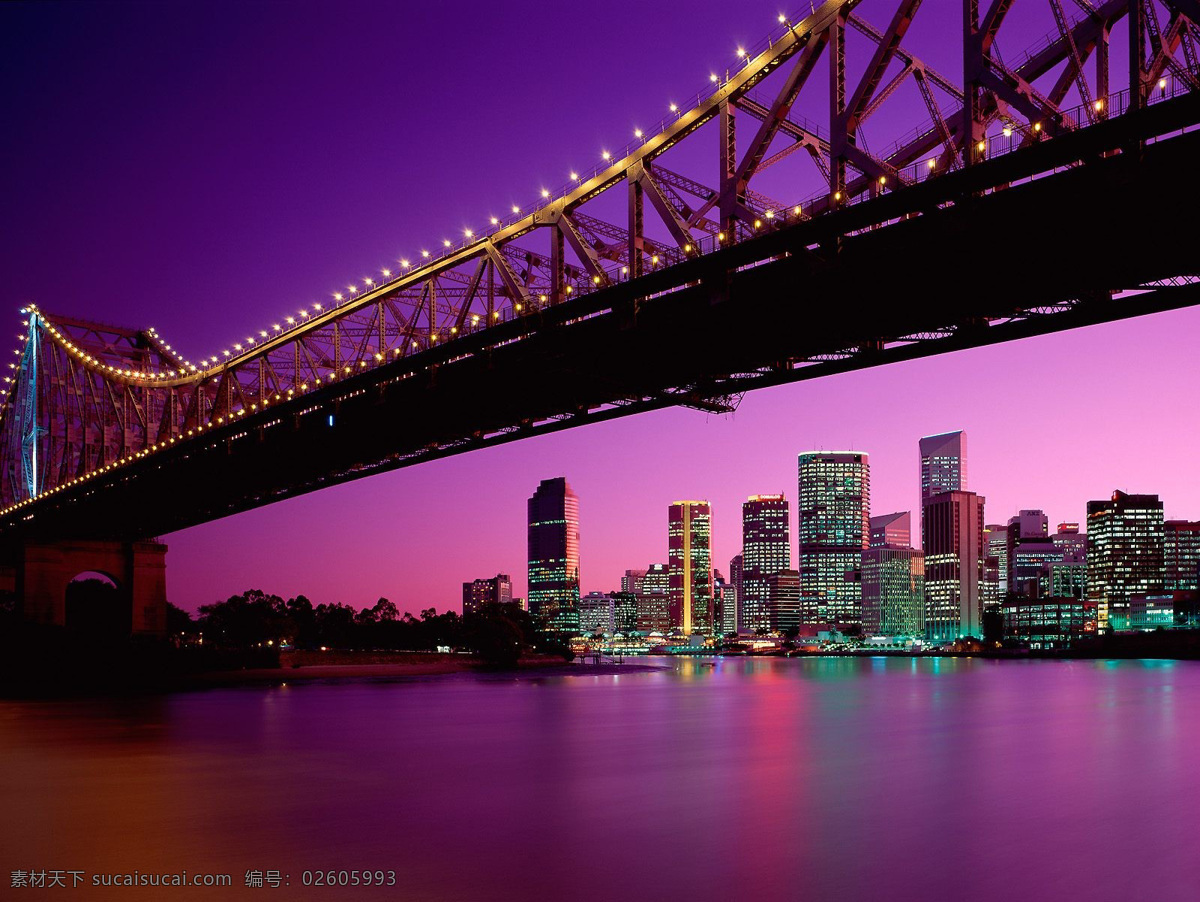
x,y
554,555
891,529
625,612
1028,530
1181,554
725,606
1072,542
783,601
766,549
735,581
654,613
596,614
953,540
497,590
834,498
943,466
995,539
689,562
893,591
632,581
1124,554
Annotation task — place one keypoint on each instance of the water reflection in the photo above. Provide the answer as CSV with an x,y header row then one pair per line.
x,y
848,778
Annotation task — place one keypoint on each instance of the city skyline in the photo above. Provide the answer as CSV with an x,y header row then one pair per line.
x,y
283,203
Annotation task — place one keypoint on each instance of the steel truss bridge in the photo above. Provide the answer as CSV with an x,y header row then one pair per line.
x,y
1036,198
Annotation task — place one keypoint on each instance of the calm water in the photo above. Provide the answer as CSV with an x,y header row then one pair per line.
x,y
818,779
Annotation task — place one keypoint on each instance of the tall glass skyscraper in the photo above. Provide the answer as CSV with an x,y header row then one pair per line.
x,y
943,466
689,564
834,501
954,559
1124,554
1181,552
766,549
554,555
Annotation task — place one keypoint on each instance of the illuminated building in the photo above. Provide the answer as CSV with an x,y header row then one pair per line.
x,y
766,549
689,566
625,612
1050,622
783,601
996,546
654,614
943,466
497,590
1072,542
1181,554
1124,554
834,498
1029,546
554,555
596,614
735,581
725,606
893,591
953,540
632,581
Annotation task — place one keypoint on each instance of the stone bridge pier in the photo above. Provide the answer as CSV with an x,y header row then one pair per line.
x,y
39,573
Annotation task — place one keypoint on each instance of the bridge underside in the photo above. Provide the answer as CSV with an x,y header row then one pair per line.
x,y
932,268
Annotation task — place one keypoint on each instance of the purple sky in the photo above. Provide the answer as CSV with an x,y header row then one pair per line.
x,y
205,169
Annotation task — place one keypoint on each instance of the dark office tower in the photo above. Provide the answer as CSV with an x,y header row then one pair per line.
x,y
632,581
689,562
625,612
766,549
735,580
554,555
1181,554
783,601
891,529
953,540
497,590
653,608
1124,555
943,465
834,497
893,591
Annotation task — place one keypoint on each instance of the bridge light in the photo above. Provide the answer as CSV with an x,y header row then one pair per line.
x,y
495,314
687,248
545,192
796,209
637,132
263,333
674,108
474,319
516,209
757,223
931,163
1007,132
883,180
369,281
569,289
541,297
741,53
387,273
782,18
445,242
337,296
982,146
712,76
495,220
291,320
595,280
720,236
275,327
1099,105
425,254
606,155
468,233
770,214
574,176
1037,126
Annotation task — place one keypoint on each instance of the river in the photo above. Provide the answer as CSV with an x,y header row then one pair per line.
x,y
823,778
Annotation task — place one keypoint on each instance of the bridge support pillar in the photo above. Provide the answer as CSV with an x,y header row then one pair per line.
x,y
139,570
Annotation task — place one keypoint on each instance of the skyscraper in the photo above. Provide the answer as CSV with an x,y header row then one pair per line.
x,y
689,562
735,581
834,498
632,581
953,540
893,591
725,606
554,555
783,601
1181,554
654,615
995,545
497,590
943,466
1124,555
891,529
766,549
597,614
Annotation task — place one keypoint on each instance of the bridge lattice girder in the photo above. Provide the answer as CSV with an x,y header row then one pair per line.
x,y
107,398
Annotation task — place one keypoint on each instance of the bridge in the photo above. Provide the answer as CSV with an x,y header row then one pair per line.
x,y
1036,197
